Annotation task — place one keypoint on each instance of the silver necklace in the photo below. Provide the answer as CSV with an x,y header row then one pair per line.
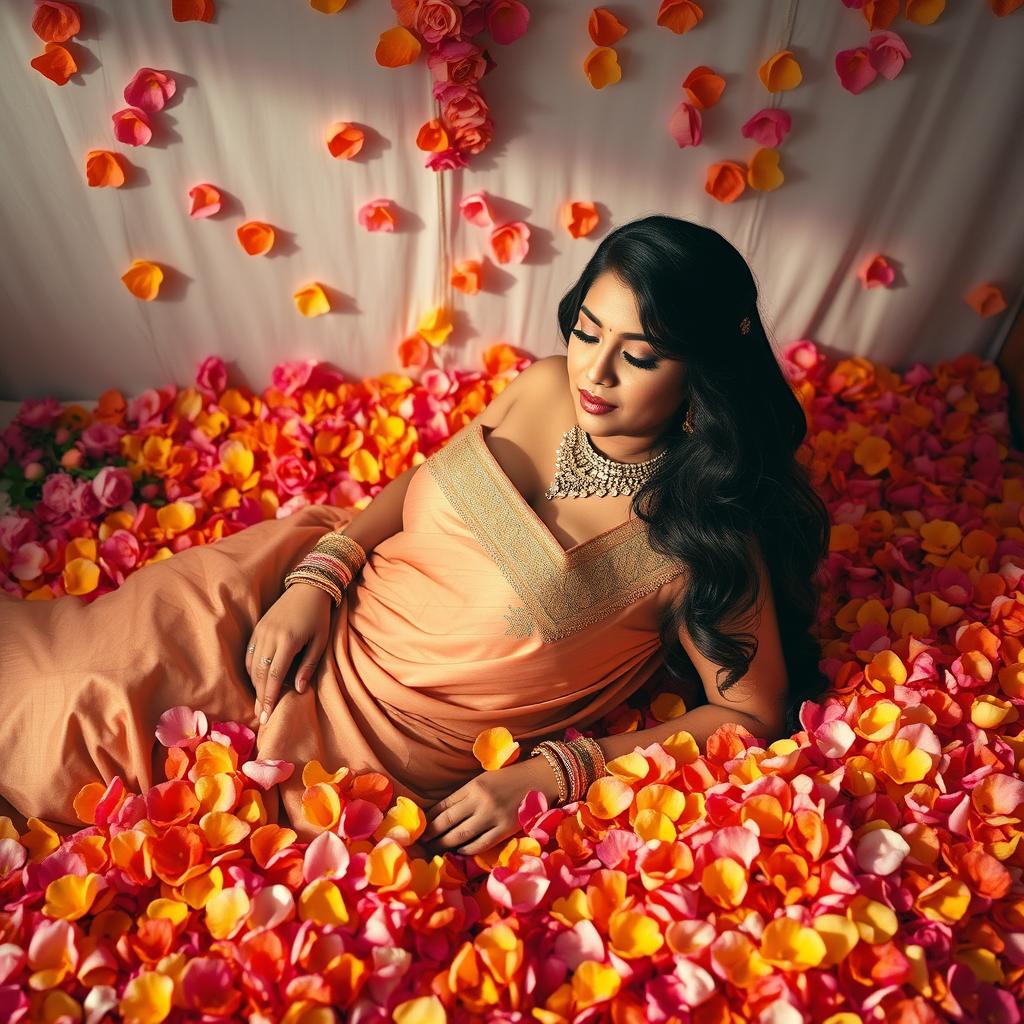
x,y
581,470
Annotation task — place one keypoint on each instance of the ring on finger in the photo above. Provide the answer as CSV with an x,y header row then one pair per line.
x,y
250,649
267,661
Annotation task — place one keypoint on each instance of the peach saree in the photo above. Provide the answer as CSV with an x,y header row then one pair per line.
x,y
472,616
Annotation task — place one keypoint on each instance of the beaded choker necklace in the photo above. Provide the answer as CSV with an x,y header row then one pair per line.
x,y
581,470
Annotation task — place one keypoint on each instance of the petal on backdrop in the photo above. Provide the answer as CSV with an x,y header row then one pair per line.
x,y
601,66
192,10
256,237
726,181
986,299
763,171
396,47
604,28
855,69
704,87
477,209
686,125
311,300
104,169
377,215
344,140
143,279
466,277
56,63
149,90
679,16
56,22
780,72
510,242
206,201
767,127
132,127
579,217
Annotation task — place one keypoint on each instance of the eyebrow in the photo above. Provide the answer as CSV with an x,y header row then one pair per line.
x,y
627,336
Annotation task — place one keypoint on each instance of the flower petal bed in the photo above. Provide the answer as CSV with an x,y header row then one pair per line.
x,y
867,868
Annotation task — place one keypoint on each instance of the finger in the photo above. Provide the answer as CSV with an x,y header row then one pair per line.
x,y
434,812
452,827
484,842
308,665
279,661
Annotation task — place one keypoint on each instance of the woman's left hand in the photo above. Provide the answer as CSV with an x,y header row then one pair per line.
x,y
485,810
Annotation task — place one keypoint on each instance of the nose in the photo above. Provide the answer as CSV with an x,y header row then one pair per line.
x,y
599,372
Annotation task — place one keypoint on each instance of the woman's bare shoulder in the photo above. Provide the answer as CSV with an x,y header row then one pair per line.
x,y
530,391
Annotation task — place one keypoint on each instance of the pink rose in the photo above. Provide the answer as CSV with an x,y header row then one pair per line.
x,y
99,439
212,376
39,412
120,550
474,139
145,409
29,561
294,475
113,486
437,19
84,504
507,20
57,491
457,61
15,531
474,17
447,160
463,107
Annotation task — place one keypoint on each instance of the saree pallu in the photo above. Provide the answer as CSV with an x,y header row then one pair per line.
x,y
472,616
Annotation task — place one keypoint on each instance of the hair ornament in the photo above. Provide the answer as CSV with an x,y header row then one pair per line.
x,y
745,325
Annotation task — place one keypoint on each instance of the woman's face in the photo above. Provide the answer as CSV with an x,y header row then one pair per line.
x,y
605,359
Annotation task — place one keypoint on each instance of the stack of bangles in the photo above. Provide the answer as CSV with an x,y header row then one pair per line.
x,y
332,563
576,765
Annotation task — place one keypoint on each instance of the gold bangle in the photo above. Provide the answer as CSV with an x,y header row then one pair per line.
x,y
563,790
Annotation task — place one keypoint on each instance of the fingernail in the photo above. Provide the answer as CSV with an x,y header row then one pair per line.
x,y
263,718
300,686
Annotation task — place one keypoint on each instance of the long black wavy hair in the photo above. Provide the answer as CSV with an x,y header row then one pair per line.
x,y
734,487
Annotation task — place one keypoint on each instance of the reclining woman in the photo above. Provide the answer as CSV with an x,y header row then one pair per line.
x,y
632,506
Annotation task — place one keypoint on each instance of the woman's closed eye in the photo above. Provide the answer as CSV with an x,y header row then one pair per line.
x,y
643,364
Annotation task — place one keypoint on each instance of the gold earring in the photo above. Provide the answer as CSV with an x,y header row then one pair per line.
x,y
688,423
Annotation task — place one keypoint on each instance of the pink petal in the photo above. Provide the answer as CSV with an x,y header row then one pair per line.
x,y
326,856
834,739
181,726
12,858
268,772
132,127
888,53
506,20
149,90
881,851
359,819
686,125
737,842
271,906
767,127
854,69
477,210
519,889
206,201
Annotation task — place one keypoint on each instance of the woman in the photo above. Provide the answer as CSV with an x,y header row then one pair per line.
x,y
487,597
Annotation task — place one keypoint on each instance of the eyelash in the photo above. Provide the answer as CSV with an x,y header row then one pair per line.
x,y
643,364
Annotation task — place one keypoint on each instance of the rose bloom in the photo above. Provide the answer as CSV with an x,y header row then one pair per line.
x,y
84,503
57,491
457,61
474,139
39,412
437,19
113,486
99,439
447,160
294,475
462,107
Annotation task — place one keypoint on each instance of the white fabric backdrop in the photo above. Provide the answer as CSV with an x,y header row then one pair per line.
x,y
926,169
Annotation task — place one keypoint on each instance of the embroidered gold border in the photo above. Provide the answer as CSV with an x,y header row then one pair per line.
x,y
563,591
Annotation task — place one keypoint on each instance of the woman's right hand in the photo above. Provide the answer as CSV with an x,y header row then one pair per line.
x,y
299,620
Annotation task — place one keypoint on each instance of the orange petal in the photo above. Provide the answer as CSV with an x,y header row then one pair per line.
x,y
206,201
377,215
432,137
192,10
396,47
104,169
704,87
780,72
679,16
311,300
328,6
56,63
579,218
763,172
435,325
465,278
344,140
726,181
255,237
510,243
601,66
56,22
604,28
986,299
495,748
143,280
923,12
